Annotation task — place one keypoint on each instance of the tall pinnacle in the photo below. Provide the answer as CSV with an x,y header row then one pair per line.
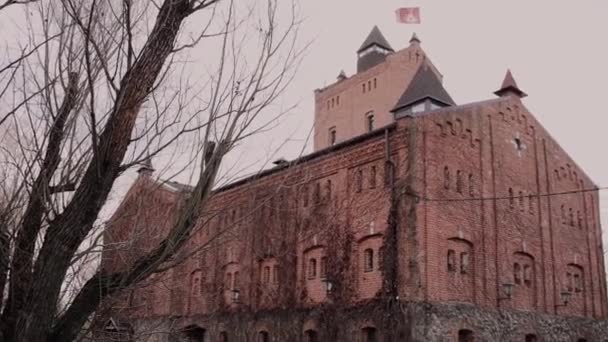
x,y
509,87
414,39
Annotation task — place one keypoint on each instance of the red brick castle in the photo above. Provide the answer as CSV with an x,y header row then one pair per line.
x,y
414,219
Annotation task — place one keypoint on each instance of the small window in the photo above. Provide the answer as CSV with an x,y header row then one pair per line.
x,y
459,181
235,280
556,174
521,200
517,273
369,85
571,216
275,274
338,100
266,276
328,188
579,219
465,335
369,121
569,285
359,180
323,268
305,195
446,177
451,260
333,102
312,268
563,212
372,177
528,275
375,83
228,283
363,88
577,283
368,260
332,136
464,262
471,186
511,199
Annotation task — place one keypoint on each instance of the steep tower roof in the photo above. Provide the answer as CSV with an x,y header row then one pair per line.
x,y
424,85
375,38
509,86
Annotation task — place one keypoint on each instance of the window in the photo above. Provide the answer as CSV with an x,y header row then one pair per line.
x,y
471,185
577,283
368,260
312,268
563,212
263,336
235,280
531,338
569,281
528,275
369,85
311,336
446,177
332,136
556,174
275,274
511,200
579,219
359,180
571,216
465,335
266,275
323,267
228,280
363,88
372,177
459,181
316,195
375,83
369,121
464,263
517,273
369,334
305,194
451,260
223,336
338,100
521,200
328,188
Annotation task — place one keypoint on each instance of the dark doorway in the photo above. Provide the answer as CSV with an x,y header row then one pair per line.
x,y
465,335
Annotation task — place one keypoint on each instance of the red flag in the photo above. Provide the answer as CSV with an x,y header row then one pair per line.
x,y
408,15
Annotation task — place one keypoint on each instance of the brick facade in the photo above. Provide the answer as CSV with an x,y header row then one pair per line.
x,y
428,216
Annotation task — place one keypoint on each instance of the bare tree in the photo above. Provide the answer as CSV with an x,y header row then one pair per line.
x,y
103,88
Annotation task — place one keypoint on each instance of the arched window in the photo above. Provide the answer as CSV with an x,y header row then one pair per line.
x,y
368,260
311,336
275,274
517,273
446,177
228,283
571,216
323,267
465,335
369,121
369,334
263,336
235,280
451,260
312,268
332,136
266,275
372,177
527,275
464,262
359,180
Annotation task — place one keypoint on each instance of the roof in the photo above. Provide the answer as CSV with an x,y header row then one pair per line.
x,y
509,85
425,84
375,38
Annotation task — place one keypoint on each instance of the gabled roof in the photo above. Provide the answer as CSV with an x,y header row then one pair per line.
x,y
375,38
425,84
